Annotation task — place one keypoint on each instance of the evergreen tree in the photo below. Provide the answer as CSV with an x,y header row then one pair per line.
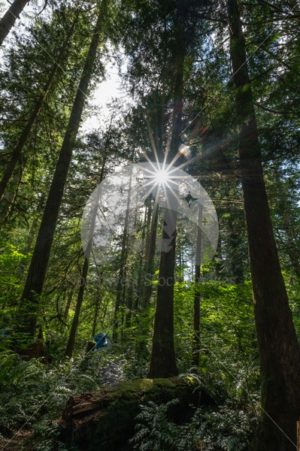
x,y
278,345
39,262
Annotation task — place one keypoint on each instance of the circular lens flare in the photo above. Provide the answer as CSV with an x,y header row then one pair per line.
x,y
161,177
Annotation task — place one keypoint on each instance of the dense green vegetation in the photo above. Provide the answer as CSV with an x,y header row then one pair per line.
x,y
209,88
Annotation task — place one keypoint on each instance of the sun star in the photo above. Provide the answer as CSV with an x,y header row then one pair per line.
x,y
161,177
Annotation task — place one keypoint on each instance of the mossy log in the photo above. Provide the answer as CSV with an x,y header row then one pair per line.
x,y
105,420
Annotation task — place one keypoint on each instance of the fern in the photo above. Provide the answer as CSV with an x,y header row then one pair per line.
x,y
227,429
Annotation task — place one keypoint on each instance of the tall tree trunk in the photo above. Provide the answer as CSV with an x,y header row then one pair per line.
x,y
75,322
163,361
292,248
68,303
287,210
7,207
12,14
29,304
129,304
278,345
121,284
234,255
85,268
130,292
145,281
197,295
17,151
98,302
138,295
149,257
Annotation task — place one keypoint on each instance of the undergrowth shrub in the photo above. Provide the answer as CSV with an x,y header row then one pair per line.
x,y
33,394
228,427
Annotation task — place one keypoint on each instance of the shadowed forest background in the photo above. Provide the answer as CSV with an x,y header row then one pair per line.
x,y
157,339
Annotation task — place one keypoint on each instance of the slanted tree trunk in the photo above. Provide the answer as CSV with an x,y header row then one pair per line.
x,y
17,152
29,305
12,14
278,346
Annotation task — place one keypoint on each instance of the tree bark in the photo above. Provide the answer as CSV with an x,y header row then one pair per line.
x,y
278,345
121,284
138,297
105,420
29,304
163,360
68,303
75,322
235,233
98,302
8,20
197,295
149,257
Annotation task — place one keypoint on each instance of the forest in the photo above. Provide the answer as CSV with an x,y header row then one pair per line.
x,y
150,225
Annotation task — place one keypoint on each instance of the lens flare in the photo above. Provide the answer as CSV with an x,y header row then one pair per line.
x,y
161,177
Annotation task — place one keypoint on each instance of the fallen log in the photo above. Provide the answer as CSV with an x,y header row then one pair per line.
x,y
105,420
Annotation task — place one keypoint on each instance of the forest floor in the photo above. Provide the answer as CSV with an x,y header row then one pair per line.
x,y
106,397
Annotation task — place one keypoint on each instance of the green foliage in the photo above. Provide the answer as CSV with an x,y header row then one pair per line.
x,y
227,320
33,393
12,261
227,428
154,430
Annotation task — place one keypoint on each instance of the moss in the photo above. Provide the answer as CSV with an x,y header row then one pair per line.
x,y
135,386
105,420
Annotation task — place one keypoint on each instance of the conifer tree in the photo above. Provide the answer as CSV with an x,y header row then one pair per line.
x,y
29,303
277,340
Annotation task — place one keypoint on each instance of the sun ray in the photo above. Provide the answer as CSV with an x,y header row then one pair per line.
x,y
162,178
148,159
149,170
149,192
186,163
178,155
174,193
